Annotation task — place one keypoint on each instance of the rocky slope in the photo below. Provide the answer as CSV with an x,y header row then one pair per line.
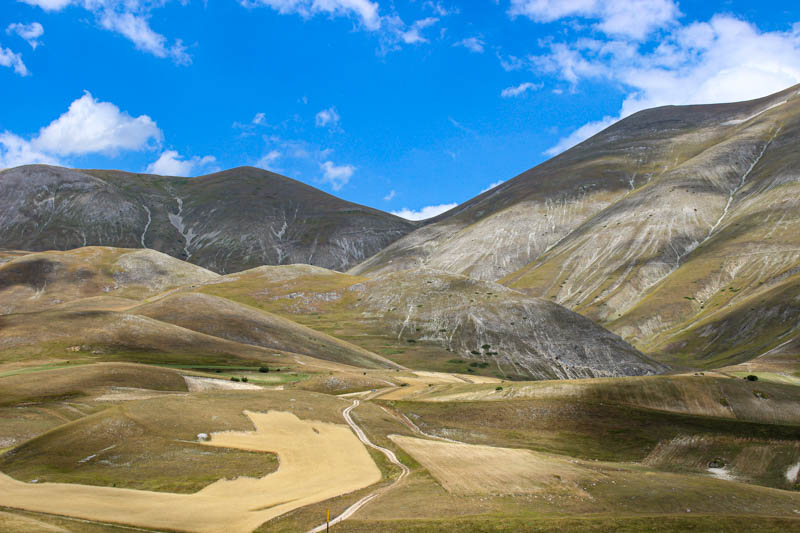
x,y
226,222
422,318
674,228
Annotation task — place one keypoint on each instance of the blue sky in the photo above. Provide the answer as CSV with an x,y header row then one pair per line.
x,y
406,106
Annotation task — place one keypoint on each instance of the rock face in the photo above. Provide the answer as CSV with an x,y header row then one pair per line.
x,y
487,322
226,222
675,228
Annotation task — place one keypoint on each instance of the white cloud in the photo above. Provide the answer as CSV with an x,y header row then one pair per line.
x,y
170,163
473,44
336,176
9,59
16,151
723,60
91,126
414,33
581,134
363,10
137,29
267,160
30,32
88,126
129,18
327,117
630,18
49,5
522,88
440,9
390,196
423,213
259,119
492,186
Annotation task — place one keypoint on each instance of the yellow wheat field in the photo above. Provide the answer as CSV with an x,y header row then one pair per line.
x,y
318,461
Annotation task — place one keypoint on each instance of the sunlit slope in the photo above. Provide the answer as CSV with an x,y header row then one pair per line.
x,y
432,318
43,280
660,225
229,320
131,305
227,221
698,266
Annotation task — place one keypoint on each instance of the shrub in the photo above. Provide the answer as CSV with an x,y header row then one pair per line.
x,y
475,352
498,388
263,369
411,340
234,379
486,346
244,379
751,377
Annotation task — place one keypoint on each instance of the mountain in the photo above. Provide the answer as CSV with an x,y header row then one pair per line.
x,y
226,222
674,228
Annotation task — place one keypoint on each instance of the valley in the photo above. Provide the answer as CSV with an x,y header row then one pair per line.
x,y
606,342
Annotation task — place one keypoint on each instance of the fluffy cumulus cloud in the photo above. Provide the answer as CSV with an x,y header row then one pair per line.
x,y
13,60
363,10
630,18
170,163
91,126
129,18
424,213
519,90
327,118
473,44
725,59
16,151
88,126
337,176
30,32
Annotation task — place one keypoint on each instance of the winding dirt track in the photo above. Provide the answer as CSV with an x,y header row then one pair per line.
x,y
390,455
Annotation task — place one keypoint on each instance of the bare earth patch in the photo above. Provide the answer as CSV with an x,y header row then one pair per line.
x,y
197,384
318,461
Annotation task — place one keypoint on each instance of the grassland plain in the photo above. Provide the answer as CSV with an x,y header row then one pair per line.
x,y
620,453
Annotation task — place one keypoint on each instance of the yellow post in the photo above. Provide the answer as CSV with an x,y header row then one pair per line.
x,y
328,521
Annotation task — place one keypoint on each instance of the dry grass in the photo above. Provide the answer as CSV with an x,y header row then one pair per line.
x,y
475,469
